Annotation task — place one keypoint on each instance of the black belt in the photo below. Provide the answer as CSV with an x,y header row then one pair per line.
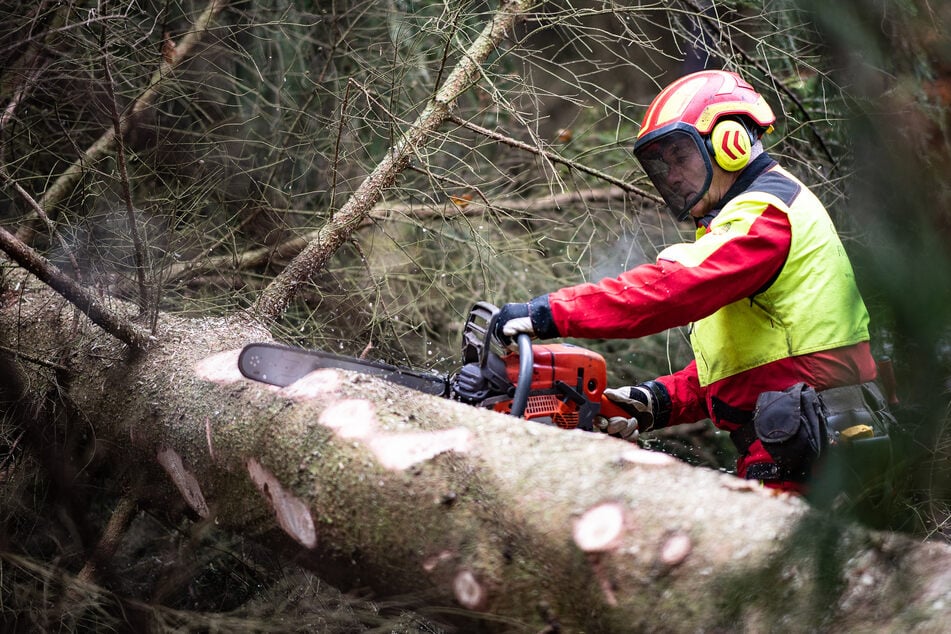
x,y
744,435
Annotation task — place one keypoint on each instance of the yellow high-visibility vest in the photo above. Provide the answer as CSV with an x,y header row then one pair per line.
x,y
813,304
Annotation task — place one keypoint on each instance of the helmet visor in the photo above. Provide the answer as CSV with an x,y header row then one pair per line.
x,y
678,165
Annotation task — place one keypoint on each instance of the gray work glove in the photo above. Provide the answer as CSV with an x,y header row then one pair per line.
x,y
518,325
639,402
532,318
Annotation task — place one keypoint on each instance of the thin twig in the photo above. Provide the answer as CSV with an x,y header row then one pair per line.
x,y
138,249
336,159
19,354
445,51
554,158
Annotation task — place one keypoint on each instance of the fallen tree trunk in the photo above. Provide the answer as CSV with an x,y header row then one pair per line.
x,y
523,526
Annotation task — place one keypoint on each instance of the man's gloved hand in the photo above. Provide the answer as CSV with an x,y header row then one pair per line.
x,y
625,428
532,318
513,319
648,405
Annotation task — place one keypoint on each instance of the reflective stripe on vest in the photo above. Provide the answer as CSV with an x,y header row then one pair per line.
x,y
813,304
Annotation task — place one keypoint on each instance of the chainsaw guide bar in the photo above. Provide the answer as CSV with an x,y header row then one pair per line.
x,y
281,365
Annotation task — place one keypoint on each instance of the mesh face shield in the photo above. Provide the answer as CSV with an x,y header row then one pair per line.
x,y
678,165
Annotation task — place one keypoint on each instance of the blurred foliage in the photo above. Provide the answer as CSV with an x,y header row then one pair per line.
x,y
266,130
893,59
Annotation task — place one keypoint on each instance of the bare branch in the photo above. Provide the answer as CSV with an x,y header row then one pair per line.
x,y
555,158
41,214
29,358
111,538
138,249
79,296
259,257
19,95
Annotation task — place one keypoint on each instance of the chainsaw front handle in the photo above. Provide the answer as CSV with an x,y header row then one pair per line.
x,y
526,363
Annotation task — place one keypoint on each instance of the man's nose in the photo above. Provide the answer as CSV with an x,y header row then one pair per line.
x,y
674,178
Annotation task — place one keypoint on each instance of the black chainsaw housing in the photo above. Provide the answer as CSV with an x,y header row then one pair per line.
x,y
484,374
474,383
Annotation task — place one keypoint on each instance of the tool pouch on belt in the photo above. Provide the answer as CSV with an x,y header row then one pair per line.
x,y
856,412
791,425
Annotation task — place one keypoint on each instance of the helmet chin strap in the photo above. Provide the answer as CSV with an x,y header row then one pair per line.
x,y
706,220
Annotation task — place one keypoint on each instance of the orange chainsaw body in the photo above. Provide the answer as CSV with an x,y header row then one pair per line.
x,y
561,373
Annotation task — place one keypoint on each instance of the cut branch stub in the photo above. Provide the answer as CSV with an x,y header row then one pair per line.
x,y
351,418
403,450
292,514
221,367
638,456
184,480
675,549
469,592
600,528
356,419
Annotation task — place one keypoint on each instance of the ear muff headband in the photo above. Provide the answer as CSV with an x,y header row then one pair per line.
x,y
730,145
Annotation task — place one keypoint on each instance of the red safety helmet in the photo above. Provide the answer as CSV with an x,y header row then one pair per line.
x,y
710,113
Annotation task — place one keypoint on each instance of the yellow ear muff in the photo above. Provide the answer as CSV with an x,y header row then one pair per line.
x,y
731,145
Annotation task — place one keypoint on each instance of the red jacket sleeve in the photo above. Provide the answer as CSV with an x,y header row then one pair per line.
x,y
735,260
688,401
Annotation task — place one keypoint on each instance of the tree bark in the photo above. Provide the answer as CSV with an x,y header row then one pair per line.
x,y
522,525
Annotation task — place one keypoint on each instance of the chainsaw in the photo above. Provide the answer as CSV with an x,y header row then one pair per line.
x,y
556,384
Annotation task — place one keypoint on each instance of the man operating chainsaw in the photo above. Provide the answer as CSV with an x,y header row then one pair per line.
x,y
778,328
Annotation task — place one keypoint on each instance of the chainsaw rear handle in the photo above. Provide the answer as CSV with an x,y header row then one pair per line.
x,y
610,409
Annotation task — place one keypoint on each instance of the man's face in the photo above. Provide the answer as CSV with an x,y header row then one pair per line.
x,y
680,169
